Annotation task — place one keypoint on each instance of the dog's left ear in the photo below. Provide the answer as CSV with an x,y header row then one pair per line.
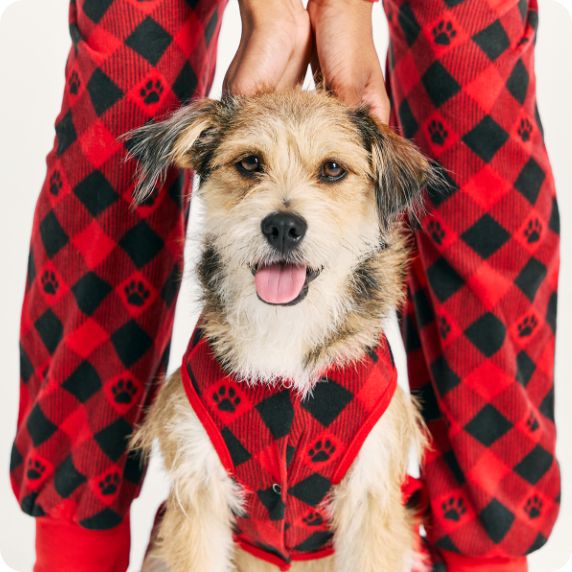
x,y
400,170
186,139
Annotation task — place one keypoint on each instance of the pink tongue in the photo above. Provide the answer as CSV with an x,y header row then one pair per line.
x,y
280,283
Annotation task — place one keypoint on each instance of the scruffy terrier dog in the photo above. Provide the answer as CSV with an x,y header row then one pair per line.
x,y
283,432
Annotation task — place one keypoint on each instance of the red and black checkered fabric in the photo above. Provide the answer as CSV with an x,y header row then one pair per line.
x,y
480,319
284,449
103,276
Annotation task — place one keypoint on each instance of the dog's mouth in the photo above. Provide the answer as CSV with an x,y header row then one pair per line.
x,y
282,283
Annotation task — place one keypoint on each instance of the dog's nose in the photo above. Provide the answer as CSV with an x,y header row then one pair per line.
x,y
284,231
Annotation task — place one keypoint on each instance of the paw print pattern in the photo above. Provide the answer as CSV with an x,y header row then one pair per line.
x,y
226,399
527,326
152,91
313,519
444,327
108,485
136,293
74,83
524,130
50,283
533,507
321,451
35,469
436,231
454,509
437,132
532,422
443,33
55,183
533,231
123,391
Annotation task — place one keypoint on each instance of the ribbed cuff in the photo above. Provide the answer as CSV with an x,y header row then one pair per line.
x,y
458,563
67,547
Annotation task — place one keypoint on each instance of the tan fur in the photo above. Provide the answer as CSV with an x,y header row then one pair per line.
x,y
355,239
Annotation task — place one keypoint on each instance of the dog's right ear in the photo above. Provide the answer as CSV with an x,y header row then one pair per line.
x,y
186,139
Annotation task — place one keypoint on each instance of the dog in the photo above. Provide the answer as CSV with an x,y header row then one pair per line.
x,y
304,256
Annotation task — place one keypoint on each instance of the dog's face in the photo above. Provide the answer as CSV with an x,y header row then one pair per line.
x,y
298,191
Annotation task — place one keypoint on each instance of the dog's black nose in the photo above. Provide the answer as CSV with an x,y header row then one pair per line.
x,y
284,231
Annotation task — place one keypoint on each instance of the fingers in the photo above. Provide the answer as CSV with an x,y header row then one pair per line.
x,y
274,48
347,61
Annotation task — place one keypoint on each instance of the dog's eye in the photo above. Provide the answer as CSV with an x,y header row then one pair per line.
x,y
332,171
249,165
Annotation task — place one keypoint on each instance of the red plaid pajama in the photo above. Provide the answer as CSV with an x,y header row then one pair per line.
x,y
478,326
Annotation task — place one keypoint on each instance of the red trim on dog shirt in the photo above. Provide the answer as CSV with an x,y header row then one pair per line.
x,y
285,450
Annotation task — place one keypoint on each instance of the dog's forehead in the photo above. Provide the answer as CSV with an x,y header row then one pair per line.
x,y
303,114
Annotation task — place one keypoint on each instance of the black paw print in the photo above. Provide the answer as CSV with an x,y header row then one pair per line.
x,y
123,391
136,293
532,422
437,132
108,485
322,451
454,509
152,91
524,129
35,469
226,399
533,231
436,231
533,507
313,519
55,183
74,83
527,326
443,33
444,327
50,282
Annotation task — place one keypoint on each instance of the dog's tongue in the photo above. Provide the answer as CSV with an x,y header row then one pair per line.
x,y
279,283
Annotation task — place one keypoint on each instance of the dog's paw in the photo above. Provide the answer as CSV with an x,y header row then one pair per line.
x,y
123,391
443,33
136,293
152,91
437,132
50,283
533,507
527,326
226,399
313,518
108,485
524,130
533,231
454,509
322,451
35,469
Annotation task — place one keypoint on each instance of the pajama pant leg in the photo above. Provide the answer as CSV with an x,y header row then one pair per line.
x,y
103,276
479,323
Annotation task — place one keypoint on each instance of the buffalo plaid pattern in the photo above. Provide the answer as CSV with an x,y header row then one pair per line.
x,y
103,276
479,323
287,450
480,319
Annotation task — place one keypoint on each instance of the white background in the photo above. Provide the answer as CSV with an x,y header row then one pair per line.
x,y
34,42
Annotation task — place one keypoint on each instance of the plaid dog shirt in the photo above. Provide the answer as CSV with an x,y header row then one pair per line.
x,y
285,450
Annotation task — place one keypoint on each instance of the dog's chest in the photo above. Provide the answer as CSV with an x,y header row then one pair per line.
x,y
287,451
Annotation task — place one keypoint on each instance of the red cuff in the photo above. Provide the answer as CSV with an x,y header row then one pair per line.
x,y
67,547
457,563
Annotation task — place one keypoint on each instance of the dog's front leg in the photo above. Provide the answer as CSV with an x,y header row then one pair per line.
x,y
196,537
373,531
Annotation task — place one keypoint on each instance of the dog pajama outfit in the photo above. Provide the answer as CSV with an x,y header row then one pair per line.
x,y
285,450
480,318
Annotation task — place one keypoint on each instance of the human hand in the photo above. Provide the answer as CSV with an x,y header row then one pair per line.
x,y
345,56
274,49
